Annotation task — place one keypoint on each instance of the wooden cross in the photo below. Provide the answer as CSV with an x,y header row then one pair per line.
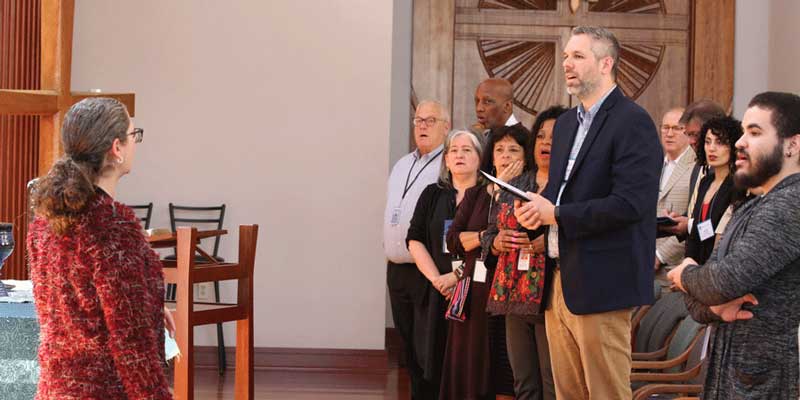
x,y
55,98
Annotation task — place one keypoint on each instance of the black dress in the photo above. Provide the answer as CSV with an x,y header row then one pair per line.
x,y
700,250
435,206
467,361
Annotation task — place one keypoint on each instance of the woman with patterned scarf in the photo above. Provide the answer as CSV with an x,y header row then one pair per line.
x,y
518,285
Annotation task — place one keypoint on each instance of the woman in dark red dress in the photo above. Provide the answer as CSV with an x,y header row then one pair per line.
x,y
98,287
426,242
465,374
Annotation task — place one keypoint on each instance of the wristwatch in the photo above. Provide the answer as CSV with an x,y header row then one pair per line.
x,y
556,214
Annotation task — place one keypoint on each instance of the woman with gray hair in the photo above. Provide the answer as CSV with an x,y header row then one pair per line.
x,y
467,361
433,214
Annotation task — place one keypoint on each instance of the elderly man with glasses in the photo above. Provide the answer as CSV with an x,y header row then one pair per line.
x,y
674,187
409,176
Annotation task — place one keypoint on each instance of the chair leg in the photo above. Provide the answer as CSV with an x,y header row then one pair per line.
x,y
184,336
220,337
244,388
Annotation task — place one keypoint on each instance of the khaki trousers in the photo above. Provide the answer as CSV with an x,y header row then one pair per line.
x,y
591,354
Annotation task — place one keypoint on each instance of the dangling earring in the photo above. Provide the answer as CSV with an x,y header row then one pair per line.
x,y
120,160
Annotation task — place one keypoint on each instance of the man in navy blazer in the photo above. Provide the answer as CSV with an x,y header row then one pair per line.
x,y
599,218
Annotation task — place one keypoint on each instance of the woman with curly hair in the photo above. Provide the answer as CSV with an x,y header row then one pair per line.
x,y
716,191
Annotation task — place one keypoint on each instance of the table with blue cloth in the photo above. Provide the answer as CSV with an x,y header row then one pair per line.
x,y
19,341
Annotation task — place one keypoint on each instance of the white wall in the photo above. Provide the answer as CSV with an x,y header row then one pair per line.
x,y
784,51
766,49
751,52
280,109
402,27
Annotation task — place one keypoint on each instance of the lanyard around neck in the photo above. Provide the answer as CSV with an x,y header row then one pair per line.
x,y
408,185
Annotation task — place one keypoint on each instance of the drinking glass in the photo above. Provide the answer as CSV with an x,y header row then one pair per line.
x,y
6,248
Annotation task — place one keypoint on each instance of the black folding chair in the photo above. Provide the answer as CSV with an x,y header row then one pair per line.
x,y
147,210
208,218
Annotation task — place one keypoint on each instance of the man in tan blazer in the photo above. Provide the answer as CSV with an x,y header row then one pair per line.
x,y
674,191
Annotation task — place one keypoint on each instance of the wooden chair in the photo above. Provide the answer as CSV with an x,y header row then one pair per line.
x,y
147,209
185,272
656,328
640,312
201,216
198,216
680,373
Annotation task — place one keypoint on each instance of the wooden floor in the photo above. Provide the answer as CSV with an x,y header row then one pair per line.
x,y
304,385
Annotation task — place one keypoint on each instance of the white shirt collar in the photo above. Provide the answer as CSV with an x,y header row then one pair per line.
x,y
429,154
667,160
511,120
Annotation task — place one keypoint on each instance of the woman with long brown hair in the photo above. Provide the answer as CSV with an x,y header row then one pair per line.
x,y
98,286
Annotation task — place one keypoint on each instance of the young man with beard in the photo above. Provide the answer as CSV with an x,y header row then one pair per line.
x,y
751,284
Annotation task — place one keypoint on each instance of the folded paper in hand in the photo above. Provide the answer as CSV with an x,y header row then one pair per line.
x,y
517,192
171,349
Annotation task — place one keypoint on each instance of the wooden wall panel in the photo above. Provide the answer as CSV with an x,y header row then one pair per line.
x,y
712,51
20,68
432,51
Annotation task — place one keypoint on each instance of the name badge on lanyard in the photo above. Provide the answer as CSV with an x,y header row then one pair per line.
x,y
396,216
479,275
524,263
705,229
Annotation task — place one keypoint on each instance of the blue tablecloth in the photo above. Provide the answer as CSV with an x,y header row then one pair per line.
x,y
19,341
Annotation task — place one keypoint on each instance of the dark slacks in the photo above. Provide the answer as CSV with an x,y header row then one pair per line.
x,y
406,290
529,355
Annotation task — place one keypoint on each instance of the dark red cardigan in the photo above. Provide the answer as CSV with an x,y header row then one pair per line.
x,y
99,293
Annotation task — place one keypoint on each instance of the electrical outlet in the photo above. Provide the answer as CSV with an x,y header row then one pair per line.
x,y
204,291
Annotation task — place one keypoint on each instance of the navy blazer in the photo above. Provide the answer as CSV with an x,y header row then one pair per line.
x,y
607,214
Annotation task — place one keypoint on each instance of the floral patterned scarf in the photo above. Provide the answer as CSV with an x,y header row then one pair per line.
x,y
514,291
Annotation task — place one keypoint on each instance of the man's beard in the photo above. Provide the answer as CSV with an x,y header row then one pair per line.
x,y
584,88
761,169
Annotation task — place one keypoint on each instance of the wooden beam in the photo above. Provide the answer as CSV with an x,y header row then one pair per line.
x,y
128,99
28,102
711,65
56,39
57,22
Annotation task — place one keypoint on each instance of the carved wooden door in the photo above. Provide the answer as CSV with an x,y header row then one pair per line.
x,y
458,43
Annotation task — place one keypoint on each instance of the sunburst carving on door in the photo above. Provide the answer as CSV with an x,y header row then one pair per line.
x,y
528,65
518,4
628,6
637,67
